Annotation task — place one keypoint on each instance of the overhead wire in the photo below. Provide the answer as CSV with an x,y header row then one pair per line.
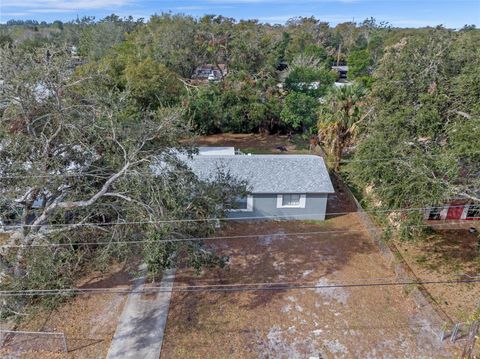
x,y
219,288
186,220
139,173
189,239
389,159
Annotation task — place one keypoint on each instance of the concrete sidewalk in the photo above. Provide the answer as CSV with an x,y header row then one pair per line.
x,y
141,327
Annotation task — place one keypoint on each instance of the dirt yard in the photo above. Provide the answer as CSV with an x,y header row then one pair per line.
x,y
256,143
365,322
88,321
444,255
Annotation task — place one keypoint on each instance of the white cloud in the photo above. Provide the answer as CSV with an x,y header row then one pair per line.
x,y
200,7
282,19
64,5
14,13
414,23
191,7
47,11
276,1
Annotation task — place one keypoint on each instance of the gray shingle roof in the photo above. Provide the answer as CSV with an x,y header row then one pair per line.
x,y
268,173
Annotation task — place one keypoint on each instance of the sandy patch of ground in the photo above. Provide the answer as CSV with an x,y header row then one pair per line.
x,y
361,322
255,143
88,321
448,254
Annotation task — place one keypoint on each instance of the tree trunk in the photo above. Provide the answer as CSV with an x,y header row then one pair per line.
x,y
339,53
4,266
17,268
338,156
338,149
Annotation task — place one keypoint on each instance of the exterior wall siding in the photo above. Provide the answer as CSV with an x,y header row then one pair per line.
x,y
265,205
451,212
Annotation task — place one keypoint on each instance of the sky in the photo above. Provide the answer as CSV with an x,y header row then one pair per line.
x,y
399,13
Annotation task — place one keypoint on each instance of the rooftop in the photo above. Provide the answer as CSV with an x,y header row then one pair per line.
x,y
340,68
268,173
210,151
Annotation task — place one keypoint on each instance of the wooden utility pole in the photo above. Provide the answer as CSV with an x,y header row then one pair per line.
x,y
339,53
472,335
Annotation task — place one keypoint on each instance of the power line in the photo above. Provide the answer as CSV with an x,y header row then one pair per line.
x,y
186,220
139,173
250,287
191,239
389,159
182,239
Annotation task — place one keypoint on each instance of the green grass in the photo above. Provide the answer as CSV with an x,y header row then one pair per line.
x,y
316,222
301,142
258,151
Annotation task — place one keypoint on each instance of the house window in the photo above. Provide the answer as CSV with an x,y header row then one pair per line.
x,y
291,200
473,212
243,204
435,213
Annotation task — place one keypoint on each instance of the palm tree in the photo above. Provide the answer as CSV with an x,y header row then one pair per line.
x,y
339,117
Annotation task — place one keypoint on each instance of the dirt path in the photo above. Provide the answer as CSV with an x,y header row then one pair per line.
x,y
88,322
255,143
369,322
141,327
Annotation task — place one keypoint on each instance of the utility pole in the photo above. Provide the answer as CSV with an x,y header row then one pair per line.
x,y
338,54
472,335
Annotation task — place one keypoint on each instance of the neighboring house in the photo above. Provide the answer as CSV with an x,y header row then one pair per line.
x,y
209,72
212,151
306,86
457,209
11,218
281,186
343,84
342,71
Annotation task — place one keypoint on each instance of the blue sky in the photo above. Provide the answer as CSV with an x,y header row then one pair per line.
x,y
402,13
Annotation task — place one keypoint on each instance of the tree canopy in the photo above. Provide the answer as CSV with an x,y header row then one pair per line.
x,y
424,121
79,166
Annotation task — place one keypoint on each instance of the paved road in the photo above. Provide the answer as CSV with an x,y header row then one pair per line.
x,y
141,327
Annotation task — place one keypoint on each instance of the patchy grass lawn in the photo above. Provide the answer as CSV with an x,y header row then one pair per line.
x,y
448,254
297,323
88,321
260,329
257,143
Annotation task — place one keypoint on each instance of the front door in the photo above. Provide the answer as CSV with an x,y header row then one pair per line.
x,y
455,212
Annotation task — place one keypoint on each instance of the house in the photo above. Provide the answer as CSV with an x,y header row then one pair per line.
x,y
280,186
456,209
342,71
212,151
343,84
210,72
307,86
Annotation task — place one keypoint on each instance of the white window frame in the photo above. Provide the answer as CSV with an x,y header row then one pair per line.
x,y
301,204
465,212
249,206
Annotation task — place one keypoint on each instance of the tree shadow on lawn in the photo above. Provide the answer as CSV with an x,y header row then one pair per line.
x,y
282,259
242,141
452,247
341,202
76,344
141,328
121,277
